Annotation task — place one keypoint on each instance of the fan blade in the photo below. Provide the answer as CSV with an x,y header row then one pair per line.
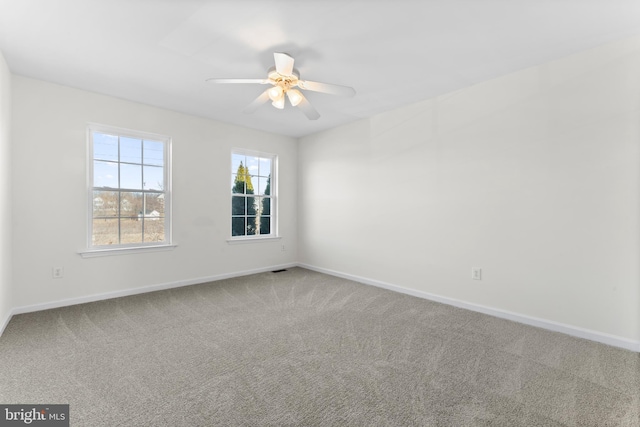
x,y
308,110
284,64
224,81
264,97
326,88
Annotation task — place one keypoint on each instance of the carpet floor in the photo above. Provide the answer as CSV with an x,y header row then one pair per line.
x,y
300,348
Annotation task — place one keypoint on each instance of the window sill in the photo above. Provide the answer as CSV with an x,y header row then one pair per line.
x,y
241,240
93,253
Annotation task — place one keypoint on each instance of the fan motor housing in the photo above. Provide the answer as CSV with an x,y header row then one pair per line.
x,y
278,79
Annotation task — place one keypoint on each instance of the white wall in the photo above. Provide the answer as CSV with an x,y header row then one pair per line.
x,y
532,176
5,193
49,196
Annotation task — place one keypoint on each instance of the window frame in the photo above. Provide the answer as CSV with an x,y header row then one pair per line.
x,y
273,196
96,250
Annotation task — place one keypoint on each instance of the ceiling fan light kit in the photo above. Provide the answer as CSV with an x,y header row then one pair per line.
x,y
275,93
295,97
284,78
279,103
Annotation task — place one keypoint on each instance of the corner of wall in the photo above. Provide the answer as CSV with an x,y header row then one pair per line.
x,y
5,196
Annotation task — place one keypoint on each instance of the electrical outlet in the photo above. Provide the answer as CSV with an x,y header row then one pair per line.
x,y
57,272
476,273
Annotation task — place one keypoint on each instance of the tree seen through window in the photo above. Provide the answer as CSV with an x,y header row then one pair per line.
x,y
251,210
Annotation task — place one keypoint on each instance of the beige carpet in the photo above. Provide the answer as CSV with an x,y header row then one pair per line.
x,y
306,349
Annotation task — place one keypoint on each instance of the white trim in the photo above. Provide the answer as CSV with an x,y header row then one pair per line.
x,y
133,133
167,192
144,289
273,193
600,337
6,321
550,325
92,253
241,240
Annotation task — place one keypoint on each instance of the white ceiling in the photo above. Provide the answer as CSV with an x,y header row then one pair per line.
x,y
160,52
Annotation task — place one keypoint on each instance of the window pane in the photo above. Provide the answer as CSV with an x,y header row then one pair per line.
x,y
265,167
238,205
153,178
236,160
154,203
105,174
105,203
263,183
267,190
252,228
242,184
105,147
130,205
105,232
265,225
131,176
153,153
234,185
238,226
252,164
265,206
152,216
130,150
250,175
130,230
252,206
153,229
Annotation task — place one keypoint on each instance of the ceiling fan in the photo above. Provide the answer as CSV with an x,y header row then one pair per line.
x,y
283,79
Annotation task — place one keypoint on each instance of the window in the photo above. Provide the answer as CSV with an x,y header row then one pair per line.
x,y
129,193
252,195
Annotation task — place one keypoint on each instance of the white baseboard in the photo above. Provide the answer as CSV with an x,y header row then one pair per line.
x,y
516,317
575,331
5,321
141,290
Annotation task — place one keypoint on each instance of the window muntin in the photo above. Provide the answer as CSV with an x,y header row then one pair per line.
x,y
129,192
252,195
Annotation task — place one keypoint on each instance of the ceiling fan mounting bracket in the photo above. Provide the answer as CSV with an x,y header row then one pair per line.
x,y
281,80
